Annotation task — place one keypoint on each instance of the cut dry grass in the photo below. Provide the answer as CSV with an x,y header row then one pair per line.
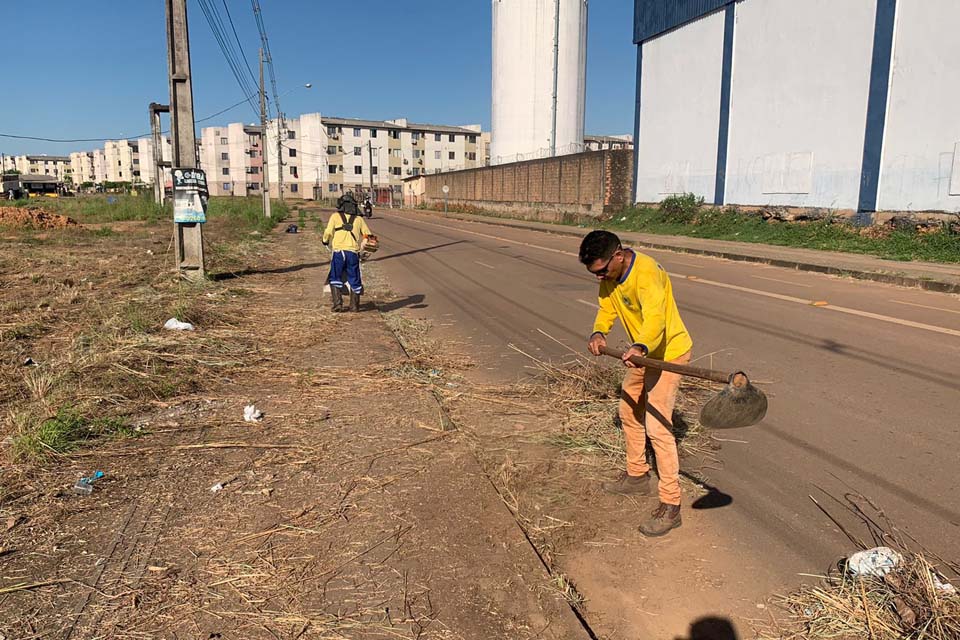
x,y
914,601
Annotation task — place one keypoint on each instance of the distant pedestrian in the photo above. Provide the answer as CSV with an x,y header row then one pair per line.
x,y
637,291
344,233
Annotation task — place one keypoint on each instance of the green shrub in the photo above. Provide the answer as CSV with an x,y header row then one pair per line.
x,y
680,209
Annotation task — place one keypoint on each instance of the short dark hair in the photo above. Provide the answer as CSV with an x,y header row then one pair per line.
x,y
598,245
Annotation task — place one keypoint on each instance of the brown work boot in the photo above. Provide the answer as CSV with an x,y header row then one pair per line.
x,y
627,485
664,518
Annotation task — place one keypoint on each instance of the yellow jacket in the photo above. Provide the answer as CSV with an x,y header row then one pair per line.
x,y
344,240
643,301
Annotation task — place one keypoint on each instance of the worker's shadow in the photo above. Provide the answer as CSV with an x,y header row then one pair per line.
x,y
409,302
231,275
710,628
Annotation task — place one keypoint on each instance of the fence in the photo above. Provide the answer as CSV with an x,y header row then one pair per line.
x,y
588,183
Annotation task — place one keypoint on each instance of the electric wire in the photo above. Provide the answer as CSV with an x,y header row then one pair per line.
x,y
219,30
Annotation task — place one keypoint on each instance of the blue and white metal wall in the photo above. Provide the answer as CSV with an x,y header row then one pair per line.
x,y
846,105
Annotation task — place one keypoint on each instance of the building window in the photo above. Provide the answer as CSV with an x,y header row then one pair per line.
x,y
252,153
223,141
225,171
332,168
293,153
416,153
395,171
331,150
294,188
436,137
226,186
436,155
373,170
415,136
416,171
396,153
331,131
453,138
357,151
224,156
453,155
253,170
291,135
373,133
471,155
332,188
293,172
356,132
255,186
357,170
395,134
472,139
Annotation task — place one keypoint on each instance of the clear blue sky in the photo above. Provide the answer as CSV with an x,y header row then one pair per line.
x,y
89,69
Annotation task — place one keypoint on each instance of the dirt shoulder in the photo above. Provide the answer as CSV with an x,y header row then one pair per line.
x,y
351,510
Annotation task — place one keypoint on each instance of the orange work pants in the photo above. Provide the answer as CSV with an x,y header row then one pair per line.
x,y
646,411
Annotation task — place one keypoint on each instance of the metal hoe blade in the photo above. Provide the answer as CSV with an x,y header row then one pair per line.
x,y
739,404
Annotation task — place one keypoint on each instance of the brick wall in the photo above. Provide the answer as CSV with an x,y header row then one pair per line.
x,y
590,183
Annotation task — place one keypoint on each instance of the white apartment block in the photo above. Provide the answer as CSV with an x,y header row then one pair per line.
x,y
99,166
122,160
57,166
81,162
324,156
145,155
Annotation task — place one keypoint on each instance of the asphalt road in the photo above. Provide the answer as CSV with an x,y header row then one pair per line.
x,y
864,391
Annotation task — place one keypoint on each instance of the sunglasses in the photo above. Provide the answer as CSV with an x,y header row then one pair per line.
x,y
602,272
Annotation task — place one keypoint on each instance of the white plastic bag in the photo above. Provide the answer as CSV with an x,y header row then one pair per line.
x,y
876,562
252,414
175,325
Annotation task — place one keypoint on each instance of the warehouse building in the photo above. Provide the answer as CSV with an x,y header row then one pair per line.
x,y
843,105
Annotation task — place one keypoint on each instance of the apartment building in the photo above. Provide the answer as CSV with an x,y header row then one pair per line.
x,y
81,163
122,161
599,143
146,160
314,156
232,158
56,166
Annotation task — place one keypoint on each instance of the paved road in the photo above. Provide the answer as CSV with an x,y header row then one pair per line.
x,y
865,391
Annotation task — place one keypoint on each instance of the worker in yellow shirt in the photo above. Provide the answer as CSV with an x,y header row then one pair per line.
x,y
637,291
344,232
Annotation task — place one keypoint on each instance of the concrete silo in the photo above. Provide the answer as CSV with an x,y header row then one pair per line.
x,y
539,78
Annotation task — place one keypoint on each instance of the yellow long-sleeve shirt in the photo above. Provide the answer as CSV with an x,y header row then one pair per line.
x,y
344,240
643,301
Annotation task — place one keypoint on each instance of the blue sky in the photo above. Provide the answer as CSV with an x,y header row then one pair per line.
x,y
89,69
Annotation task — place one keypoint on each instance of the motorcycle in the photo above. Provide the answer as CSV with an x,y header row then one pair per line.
x,y
367,208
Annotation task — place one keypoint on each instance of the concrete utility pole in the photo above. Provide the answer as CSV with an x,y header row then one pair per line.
x,y
556,71
158,163
265,186
189,238
281,125
373,198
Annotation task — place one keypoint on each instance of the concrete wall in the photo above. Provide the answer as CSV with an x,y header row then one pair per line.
x,y
584,183
799,102
680,98
921,152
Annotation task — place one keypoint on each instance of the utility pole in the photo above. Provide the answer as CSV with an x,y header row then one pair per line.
x,y
158,163
265,186
281,126
189,235
373,197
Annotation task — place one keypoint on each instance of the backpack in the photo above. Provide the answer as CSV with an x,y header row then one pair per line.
x,y
348,223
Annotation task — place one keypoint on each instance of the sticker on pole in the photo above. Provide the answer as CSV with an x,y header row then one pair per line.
x,y
445,189
189,195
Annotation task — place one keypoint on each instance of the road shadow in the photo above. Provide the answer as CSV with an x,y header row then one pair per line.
x,y
232,275
410,302
712,628
420,250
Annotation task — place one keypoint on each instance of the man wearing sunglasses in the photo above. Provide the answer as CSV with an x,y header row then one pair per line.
x,y
637,291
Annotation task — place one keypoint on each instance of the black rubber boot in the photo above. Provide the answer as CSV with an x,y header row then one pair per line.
x,y
354,301
337,297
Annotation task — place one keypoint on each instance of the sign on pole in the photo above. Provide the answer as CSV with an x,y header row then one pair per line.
x,y
445,190
190,195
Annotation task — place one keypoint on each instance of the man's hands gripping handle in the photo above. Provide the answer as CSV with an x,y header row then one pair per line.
x,y
597,345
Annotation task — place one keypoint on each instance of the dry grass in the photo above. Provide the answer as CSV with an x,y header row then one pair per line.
x,y
915,601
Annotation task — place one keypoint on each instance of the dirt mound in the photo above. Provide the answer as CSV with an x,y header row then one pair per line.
x,y
24,218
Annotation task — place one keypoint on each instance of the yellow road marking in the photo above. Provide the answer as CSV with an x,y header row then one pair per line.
x,y
796,284
925,306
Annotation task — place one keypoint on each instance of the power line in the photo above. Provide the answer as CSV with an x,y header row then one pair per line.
x,y
268,56
243,54
219,30
121,137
